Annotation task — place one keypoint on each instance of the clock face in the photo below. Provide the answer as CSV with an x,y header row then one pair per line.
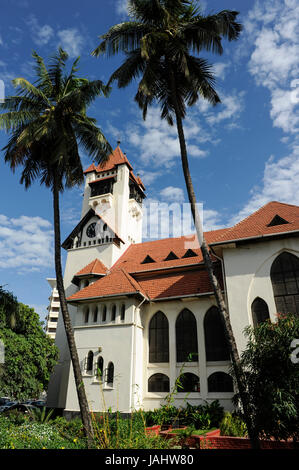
x,y
91,230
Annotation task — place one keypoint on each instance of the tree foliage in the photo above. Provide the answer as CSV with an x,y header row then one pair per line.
x,y
30,355
273,377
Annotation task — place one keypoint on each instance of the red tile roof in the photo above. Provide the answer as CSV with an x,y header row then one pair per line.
x,y
95,267
186,276
115,158
115,283
158,250
256,224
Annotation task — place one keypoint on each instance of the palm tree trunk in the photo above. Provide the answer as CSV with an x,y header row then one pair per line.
x,y
213,279
84,409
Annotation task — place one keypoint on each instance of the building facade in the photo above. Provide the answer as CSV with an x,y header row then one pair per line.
x,y
144,313
53,309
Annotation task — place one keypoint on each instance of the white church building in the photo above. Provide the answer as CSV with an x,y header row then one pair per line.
x,y
143,312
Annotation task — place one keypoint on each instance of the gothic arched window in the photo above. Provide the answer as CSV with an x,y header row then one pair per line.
x,y
113,313
104,313
100,367
95,314
158,338
122,312
89,362
220,382
110,373
86,315
260,311
285,283
215,341
186,337
189,383
158,383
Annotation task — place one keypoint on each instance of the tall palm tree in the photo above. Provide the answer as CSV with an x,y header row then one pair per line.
x,y
158,43
48,124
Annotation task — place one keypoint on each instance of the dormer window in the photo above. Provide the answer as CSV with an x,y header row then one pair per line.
x,y
148,259
277,220
171,256
189,254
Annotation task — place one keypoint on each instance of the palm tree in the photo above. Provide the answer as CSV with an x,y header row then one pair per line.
x,y
158,44
48,123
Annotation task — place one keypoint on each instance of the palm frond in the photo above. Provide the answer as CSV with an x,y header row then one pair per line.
x,y
123,37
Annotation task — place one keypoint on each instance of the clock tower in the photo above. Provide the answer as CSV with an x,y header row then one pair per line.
x,y
111,220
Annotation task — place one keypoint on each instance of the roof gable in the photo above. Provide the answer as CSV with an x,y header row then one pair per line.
x,y
257,225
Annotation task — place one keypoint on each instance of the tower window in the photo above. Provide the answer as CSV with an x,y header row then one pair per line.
x,y
104,313
122,312
86,315
89,362
113,313
110,374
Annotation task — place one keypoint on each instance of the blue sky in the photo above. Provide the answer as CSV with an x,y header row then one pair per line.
x,y
243,153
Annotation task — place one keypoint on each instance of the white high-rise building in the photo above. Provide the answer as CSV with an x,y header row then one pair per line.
x,y
53,309
144,311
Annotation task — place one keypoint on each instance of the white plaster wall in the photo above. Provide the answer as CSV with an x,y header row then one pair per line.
x,y
116,341
247,270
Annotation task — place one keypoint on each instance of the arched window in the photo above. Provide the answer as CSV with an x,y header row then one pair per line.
x,y
113,312
260,311
104,313
122,312
285,283
186,337
215,342
189,383
89,362
100,367
158,383
86,315
95,314
158,338
220,382
110,373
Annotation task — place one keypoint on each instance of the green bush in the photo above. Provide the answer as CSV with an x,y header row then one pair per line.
x,y
232,425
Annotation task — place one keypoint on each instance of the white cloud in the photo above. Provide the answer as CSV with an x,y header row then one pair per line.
x,y
229,109
273,29
41,35
280,183
158,143
172,194
25,243
71,41
121,7
220,69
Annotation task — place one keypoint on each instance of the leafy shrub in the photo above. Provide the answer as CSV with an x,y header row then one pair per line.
x,y
232,425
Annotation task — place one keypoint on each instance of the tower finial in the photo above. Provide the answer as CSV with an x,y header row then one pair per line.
x,y
118,143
